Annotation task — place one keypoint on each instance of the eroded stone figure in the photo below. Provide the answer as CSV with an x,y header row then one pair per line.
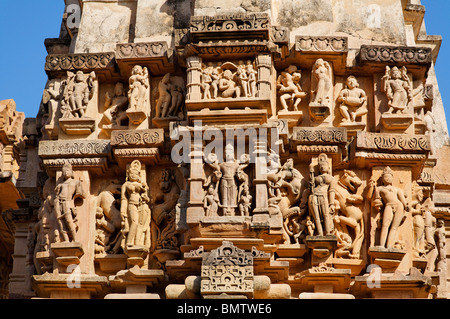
x,y
43,226
398,89
353,101
108,220
66,192
138,94
349,213
228,86
78,91
134,208
288,85
391,201
51,98
115,106
211,201
321,83
245,201
170,98
441,246
417,212
321,201
163,213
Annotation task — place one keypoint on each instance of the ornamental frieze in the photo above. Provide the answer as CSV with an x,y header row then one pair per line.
x,y
74,148
321,44
395,54
303,135
125,138
392,142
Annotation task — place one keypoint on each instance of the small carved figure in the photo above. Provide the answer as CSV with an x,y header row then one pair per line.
x,y
398,89
252,78
353,101
134,208
321,201
245,201
211,201
243,78
417,212
138,94
114,109
227,86
321,83
392,202
441,242
50,98
288,84
66,192
78,91
170,98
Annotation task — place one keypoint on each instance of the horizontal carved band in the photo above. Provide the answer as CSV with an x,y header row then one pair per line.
x,y
85,62
136,152
74,148
227,23
321,44
395,54
77,163
319,135
151,137
231,47
329,149
141,50
392,142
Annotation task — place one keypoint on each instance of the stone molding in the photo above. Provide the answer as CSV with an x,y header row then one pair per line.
x,y
306,135
321,44
84,61
392,142
395,54
74,148
125,138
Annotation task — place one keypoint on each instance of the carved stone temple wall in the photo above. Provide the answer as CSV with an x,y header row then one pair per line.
x,y
230,149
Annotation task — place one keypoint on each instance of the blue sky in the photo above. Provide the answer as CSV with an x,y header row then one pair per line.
x,y
24,24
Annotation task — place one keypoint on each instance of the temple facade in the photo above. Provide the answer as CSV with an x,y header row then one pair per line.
x,y
206,149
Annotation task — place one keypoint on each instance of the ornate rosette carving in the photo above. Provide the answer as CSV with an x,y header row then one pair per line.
x,y
394,54
227,23
393,142
141,50
84,62
321,44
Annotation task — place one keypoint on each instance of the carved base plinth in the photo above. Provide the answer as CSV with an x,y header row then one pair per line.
x,y
110,264
323,279
108,128
396,122
353,127
67,254
68,286
77,126
247,116
392,286
293,118
136,117
420,126
322,248
319,113
46,260
52,131
231,103
136,255
356,266
164,122
136,279
420,263
387,258
164,255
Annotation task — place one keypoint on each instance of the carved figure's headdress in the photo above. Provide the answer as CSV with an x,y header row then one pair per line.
x,y
387,171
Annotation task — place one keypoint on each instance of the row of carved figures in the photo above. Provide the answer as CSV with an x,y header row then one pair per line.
x,y
230,80
125,216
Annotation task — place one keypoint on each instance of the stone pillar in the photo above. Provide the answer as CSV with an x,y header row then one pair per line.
x,y
264,65
195,209
194,72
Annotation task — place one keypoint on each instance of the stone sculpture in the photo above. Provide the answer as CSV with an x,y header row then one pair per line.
x,y
321,83
352,101
288,85
115,106
66,192
134,208
138,94
349,213
389,200
170,98
321,201
77,92
398,89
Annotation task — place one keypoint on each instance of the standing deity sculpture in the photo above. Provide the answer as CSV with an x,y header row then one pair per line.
x,y
321,201
226,174
170,98
288,85
321,83
50,98
66,192
389,200
134,208
77,92
352,101
440,236
398,89
138,94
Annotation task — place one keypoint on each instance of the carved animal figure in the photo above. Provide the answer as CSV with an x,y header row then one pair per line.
x,y
350,214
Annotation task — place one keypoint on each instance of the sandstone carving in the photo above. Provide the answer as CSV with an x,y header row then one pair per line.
x,y
288,84
353,101
398,89
78,91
